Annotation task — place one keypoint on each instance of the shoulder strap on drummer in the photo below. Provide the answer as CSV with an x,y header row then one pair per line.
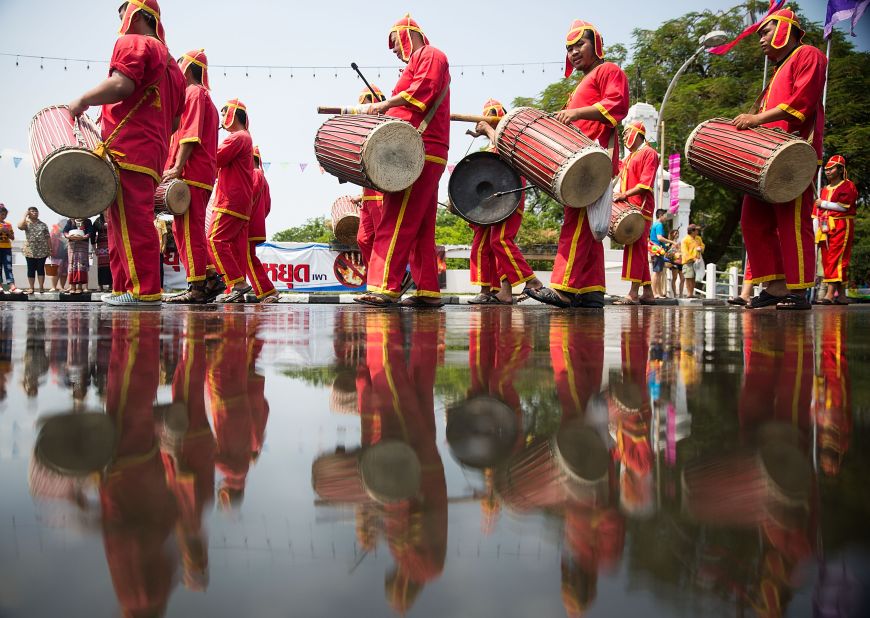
x,y
425,124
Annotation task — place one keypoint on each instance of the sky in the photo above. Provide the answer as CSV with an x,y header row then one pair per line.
x,y
334,33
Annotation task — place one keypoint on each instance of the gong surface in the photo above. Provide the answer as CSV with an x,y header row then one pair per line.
x,y
477,177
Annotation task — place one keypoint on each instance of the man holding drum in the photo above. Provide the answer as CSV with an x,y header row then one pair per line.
x,y
407,228
192,154
835,211
371,202
779,237
596,106
141,100
636,180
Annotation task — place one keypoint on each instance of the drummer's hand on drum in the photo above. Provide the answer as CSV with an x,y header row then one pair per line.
x,y
171,174
77,107
620,197
567,116
380,107
746,121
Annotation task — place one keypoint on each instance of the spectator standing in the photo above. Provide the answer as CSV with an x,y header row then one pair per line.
x,y
101,252
78,233
658,248
7,235
691,248
59,258
674,262
37,248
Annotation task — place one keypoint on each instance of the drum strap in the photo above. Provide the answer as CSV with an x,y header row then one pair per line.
x,y
425,124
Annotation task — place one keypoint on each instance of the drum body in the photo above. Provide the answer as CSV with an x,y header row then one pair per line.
x,y
768,164
171,197
70,178
345,220
474,180
371,151
570,167
626,223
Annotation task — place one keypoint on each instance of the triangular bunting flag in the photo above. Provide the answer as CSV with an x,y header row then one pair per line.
x,y
16,161
321,169
266,165
302,167
450,168
283,165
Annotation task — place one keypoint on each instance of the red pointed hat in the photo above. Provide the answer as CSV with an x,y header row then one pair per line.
x,y
231,106
634,129
836,160
198,58
575,33
493,108
785,19
366,93
403,29
149,6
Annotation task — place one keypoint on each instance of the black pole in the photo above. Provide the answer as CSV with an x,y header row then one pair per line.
x,y
375,95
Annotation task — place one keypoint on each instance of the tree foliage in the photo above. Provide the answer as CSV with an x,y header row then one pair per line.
x,y
313,230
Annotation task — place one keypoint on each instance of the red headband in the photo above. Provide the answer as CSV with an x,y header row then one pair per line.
x,y
199,59
575,33
403,29
149,6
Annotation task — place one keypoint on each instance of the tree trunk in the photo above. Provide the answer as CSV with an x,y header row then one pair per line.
x,y
723,238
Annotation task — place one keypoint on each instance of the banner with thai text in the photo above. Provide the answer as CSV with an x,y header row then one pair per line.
x,y
674,169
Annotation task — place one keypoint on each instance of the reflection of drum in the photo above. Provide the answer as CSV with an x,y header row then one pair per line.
x,y
343,395
172,425
559,159
476,178
76,444
532,479
370,151
336,478
481,431
582,453
345,220
626,223
70,178
172,197
390,471
766,163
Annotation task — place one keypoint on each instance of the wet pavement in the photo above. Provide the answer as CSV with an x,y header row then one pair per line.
x,y
333,460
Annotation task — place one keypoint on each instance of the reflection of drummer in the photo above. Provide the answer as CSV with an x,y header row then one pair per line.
x,y
779,237
406,233
370,202
141,72
496,261
597,104
636,180
192,154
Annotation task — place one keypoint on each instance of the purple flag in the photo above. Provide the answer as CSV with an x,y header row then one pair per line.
x,y
841,10
674,169
302,167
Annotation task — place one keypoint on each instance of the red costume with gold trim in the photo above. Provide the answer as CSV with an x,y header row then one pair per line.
x,y
372,203
233,198
198,126
254,270
836,232
406,233
639,170
779,237
139,150
579,264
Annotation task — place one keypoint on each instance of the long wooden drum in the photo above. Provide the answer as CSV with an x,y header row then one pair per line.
x,y
766,163
171,197
371,151
557,158
345,220
70,178
626,223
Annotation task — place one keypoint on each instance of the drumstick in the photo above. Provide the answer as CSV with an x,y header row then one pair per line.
x,y
330,110
375,96
475,119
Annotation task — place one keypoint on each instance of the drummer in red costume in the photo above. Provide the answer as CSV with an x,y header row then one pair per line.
x,y
779,237
232,202
263,286
407,229
192,154
835,211
142,99
597,105
636,180
371,202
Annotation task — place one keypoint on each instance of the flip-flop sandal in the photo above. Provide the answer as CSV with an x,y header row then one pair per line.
x,y
375,300
837,301
482,299
794,302
737,301
823,301
625,301
764,299
548,297
522,297
237,296
416,302
647,301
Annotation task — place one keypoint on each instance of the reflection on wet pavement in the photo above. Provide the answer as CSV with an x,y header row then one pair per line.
x,y
491,461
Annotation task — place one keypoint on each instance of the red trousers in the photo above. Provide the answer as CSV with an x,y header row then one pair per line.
x,y
509,260
369,219
254,270
189,233
134,249
483,265
837,251
579,265
577,358
224,238
779,240
635,260
406,235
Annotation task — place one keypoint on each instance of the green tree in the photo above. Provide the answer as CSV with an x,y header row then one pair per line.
x,y
313,230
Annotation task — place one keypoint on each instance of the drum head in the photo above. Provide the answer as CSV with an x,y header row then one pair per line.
x,y
581,453
390,471
76,183
477,177
789,172
629,227
178,197
584,177
481,431
393,156
346,229
76,444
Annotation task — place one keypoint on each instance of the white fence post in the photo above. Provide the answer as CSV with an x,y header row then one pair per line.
x,y
710,283
733,282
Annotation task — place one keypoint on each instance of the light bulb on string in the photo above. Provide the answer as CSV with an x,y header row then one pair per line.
x,y
64,64
16,60
246,71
